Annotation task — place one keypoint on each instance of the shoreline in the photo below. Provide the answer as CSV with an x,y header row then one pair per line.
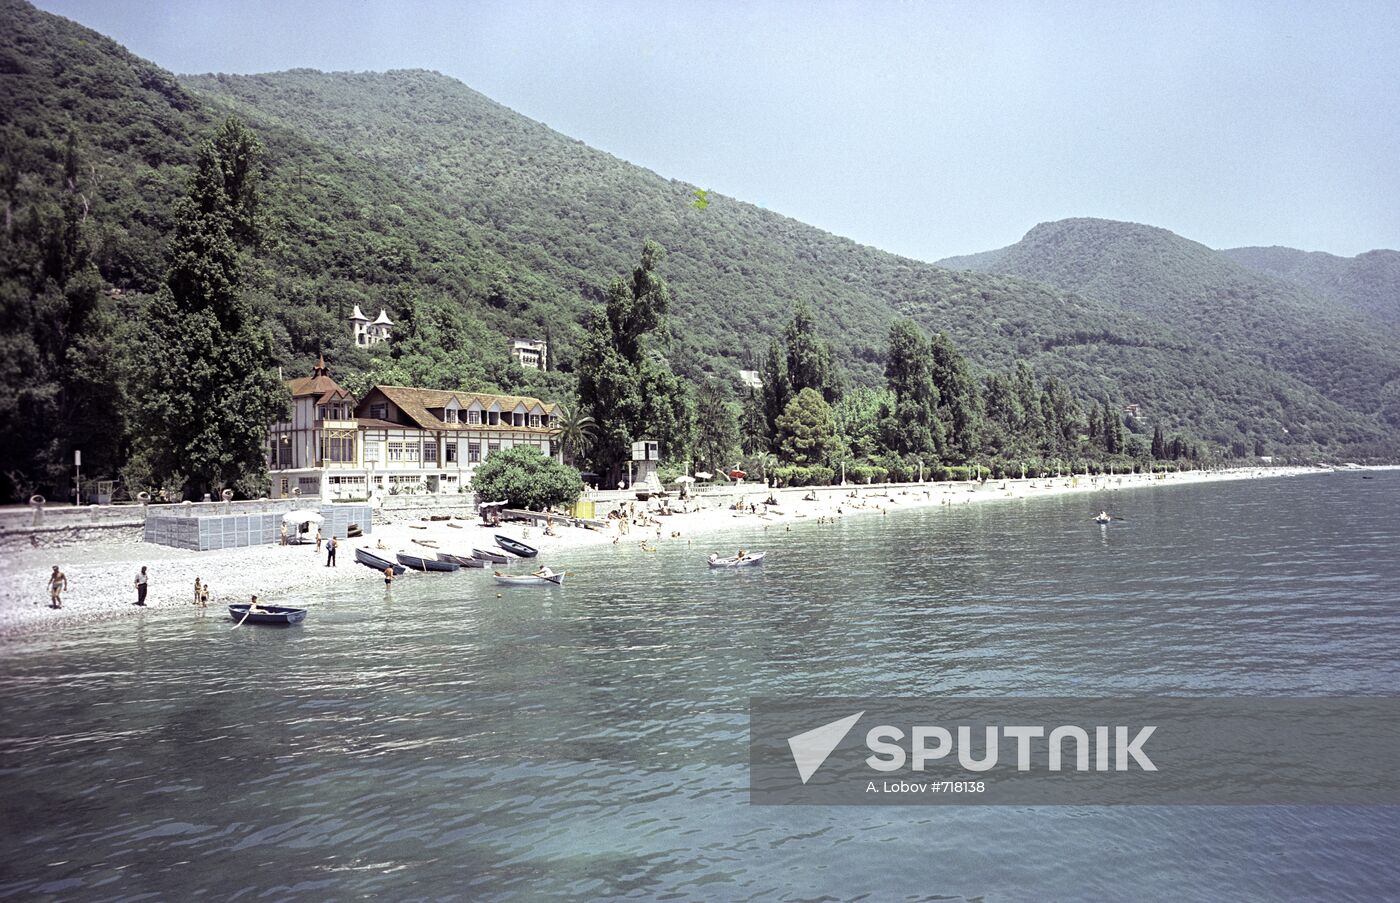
x,y
101,570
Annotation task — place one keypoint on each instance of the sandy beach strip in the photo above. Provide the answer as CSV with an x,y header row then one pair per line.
x,y
101,566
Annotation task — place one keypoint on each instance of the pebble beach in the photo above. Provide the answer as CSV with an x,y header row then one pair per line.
x,y
101,566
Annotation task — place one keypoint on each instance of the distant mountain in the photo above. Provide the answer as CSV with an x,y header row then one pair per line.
x,y
472,223
1305,342
1368,282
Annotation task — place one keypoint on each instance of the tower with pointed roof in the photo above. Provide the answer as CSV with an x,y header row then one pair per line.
x,y
367,333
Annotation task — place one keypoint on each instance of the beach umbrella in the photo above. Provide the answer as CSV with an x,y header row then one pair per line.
x,y
703,475
685,479
302,517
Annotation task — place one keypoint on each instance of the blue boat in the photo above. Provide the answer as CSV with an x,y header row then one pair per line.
x,y
515,547
266,614
371,560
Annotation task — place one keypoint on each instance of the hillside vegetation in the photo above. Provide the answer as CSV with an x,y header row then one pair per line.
x,y
1368,283
470,223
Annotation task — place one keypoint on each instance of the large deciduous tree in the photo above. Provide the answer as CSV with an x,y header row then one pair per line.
x,y
205,388
526,478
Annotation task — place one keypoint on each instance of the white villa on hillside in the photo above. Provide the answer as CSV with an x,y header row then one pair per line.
x,y
396,439
366,333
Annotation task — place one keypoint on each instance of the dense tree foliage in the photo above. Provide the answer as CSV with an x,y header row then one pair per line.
x,y
527,478
204,389
806,429
625,384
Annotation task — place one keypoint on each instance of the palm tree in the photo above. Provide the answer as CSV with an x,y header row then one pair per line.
x,y
575,433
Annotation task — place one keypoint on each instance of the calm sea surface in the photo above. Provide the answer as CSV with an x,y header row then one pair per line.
x,y
591,742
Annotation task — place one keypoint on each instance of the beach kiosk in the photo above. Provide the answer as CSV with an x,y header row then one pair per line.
x,y
646,457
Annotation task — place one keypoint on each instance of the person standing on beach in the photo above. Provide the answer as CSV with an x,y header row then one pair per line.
x,y
330,552
197,590
141,580
284,533
58,582
318,540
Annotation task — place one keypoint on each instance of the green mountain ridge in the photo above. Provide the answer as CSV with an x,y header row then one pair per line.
x,y
1309,342
1368,283
471,223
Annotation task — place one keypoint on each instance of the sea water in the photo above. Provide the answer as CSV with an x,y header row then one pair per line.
x,y
455,739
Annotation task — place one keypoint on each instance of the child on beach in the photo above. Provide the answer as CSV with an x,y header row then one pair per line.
x,y
57,584
197,587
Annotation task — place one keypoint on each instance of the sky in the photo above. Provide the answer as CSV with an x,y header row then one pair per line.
x,y
924,128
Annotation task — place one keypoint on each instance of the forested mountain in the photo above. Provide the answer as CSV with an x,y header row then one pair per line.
x,y
471,223
1307,345
1368,282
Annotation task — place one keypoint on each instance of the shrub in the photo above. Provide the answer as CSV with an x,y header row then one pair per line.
x,y
523,476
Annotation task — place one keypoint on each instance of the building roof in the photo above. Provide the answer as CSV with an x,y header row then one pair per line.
x,y
416,402
383,319
359,314
319,383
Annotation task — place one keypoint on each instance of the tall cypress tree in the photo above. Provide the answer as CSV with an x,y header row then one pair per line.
x,y
623,383
911,425
207,391
959,407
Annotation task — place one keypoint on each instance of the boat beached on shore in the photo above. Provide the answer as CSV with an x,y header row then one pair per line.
x,y
419,563
515,547
379,563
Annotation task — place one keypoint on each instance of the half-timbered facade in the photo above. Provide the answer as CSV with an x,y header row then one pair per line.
x,y
397,439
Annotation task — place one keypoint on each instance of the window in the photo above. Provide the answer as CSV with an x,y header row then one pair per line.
x,y
554,421
493,418
492,446
473,417
371,450
451,415
337,450
449,451
395,451
284,451
412,451
535,421
320,412
430,451
517,419
379,412
473,452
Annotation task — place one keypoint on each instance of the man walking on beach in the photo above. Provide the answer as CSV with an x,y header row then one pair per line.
x,y
330,552
57,584
141,587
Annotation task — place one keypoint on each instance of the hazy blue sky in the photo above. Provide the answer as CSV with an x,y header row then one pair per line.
x,y
928,129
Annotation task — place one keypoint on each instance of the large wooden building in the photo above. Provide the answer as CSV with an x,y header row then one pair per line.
x,y
396,439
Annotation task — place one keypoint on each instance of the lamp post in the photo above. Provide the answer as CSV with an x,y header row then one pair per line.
x,y
77,477
921,470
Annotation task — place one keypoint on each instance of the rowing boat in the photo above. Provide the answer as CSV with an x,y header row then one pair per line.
x,y
419,563
266,614
371,560
465,561
490,555
734,561
547,578
515,547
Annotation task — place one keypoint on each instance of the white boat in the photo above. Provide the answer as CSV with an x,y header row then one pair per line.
x,y
748,560
543,577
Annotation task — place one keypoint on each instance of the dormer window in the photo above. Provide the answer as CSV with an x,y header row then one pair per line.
x,y
535,420
473,417
451,415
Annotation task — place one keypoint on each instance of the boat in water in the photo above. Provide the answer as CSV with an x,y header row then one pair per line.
x,y
515,547
543,577
419,563
748,559
266,614
490,555
466,561
369,559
